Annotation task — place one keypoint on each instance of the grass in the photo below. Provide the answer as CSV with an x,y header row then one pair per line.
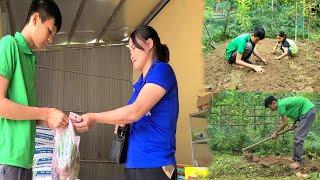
x,y
227,166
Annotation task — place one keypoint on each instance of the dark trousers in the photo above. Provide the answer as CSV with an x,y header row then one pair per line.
x,y
147,173
14,173
245,56
301,132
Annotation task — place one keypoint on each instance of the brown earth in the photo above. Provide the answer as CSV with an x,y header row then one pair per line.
x,y
295,74
283,162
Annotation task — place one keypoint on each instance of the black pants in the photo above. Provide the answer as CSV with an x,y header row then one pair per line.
x,y
245,56
14,173
301,133
147,174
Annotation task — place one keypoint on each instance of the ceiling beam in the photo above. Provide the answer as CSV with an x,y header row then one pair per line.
x,y
76,21
79,46
110,20
154,12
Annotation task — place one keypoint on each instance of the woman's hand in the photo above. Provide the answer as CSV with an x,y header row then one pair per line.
x,y
86,123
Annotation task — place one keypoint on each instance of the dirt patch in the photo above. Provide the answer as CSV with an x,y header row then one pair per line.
x,y
295,74
308,166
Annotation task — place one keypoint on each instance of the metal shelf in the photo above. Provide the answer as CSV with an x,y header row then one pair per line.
x,y
200,141
200,114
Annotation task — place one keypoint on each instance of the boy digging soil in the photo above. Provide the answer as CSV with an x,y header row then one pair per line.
x,y
301,110
240,49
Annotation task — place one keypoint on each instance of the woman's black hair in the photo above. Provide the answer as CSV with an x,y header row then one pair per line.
x,y
145,32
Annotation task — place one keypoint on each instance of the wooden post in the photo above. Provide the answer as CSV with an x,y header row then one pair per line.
x,y
272,13
296,30
226,21
303,21
309,25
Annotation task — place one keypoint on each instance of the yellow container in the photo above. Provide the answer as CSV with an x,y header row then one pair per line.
x,y
196,172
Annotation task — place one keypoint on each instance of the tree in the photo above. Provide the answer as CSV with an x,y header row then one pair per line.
x,y
298,18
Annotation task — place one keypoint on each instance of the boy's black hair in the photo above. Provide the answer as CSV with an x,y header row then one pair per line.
x,y
259,32
282,34
268,100
47,9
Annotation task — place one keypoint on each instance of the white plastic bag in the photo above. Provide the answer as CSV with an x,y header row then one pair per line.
x,y
66,154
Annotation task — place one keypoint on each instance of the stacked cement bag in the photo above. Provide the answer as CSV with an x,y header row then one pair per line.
x,y
42,169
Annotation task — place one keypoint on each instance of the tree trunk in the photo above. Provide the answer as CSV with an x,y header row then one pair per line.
x,y
303,18
226,22
303,27
309,25
272,14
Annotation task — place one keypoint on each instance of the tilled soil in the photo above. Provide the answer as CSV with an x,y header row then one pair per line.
x,y
283,163
301,73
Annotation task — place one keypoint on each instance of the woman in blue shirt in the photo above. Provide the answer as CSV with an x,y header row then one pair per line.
x,y
152,110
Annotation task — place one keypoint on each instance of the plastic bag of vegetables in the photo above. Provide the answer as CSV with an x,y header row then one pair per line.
x,y
66,154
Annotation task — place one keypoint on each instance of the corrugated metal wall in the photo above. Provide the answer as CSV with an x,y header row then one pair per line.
x,y
87,80
5,23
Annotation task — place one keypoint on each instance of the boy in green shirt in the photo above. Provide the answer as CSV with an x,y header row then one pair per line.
x,y
18,111
240,49
299,109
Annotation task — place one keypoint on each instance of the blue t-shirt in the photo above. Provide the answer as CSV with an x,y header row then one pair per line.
x,y
152,141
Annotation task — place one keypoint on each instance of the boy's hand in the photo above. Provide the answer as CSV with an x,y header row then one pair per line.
x,y
56,118
274,135
263,60
85,124
294,126
51,127
258,69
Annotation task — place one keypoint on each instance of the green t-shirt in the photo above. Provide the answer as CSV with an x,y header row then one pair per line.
x,y
237,44
17,137
294,107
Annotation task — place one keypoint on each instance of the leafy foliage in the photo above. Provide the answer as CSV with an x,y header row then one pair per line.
x,y
227,19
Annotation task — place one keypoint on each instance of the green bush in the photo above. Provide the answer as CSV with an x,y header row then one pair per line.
x,y
245,14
